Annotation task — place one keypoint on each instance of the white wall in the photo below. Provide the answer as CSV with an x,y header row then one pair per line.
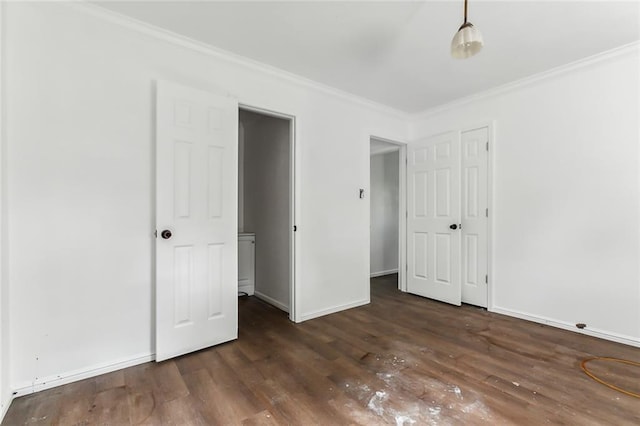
x,y
80,100
566,195
384,201
266,202
5,390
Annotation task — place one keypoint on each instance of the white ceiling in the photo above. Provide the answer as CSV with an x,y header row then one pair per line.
x,y
396,52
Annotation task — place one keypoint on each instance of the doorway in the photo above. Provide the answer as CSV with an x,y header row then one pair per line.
x,y
387,212
266,207
197,217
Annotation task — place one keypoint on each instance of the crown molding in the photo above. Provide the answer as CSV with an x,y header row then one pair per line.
x,y
209,50
626,49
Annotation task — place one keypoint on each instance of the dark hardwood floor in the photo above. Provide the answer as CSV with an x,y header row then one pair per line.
x,y
401,360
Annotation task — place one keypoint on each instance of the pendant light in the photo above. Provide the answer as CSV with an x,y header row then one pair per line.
x,y
467,41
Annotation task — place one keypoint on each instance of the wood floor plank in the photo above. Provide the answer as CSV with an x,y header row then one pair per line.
x,y
179,411
263,418
168,382
109,381
142,407
110,406
221,404
400,360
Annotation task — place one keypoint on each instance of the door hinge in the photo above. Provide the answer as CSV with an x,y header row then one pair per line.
x,y
486,279
155,233
406,214
487,145
486,212
295,228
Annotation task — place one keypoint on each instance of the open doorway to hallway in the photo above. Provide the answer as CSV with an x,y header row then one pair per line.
x,y
386,212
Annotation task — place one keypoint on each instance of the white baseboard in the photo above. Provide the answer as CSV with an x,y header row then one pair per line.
x,y
4,407
333,310
246,288
80,374
271,301
381,273
602,334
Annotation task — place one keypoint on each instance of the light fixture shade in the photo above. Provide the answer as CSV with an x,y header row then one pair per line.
x,y
467,42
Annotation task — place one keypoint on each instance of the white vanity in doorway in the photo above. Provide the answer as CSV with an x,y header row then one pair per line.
x,y
246,263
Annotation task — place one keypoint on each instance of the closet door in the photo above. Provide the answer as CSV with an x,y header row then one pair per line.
x,y
474,157
433,223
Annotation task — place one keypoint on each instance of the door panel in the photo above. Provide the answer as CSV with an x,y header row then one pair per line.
x,y
182,284
196,196
182,178
474,216
434,204
443,192
215,177
421,183
420,251
443,258
215,280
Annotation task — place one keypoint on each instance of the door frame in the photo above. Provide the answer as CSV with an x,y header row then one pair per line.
x,y
402,208
294,199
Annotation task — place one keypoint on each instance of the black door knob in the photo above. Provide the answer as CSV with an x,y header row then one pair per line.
x,y
454,226
166,234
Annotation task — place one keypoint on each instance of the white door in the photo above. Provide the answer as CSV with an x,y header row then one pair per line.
x,y
433,203
196,219
474,216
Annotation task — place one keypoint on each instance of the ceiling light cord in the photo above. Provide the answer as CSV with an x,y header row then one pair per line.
x,y
465,13
468,40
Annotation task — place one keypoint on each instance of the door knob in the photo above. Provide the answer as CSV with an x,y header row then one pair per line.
x,y
454,226
166,234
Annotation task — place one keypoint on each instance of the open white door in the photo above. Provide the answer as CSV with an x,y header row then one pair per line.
x,y
474,146
196,218
433,224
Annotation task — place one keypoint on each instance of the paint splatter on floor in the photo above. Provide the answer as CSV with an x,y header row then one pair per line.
x,y
375,403
435,411
404,420
456,390
434,402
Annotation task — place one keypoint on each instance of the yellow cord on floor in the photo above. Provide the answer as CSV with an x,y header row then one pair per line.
x,y
609,385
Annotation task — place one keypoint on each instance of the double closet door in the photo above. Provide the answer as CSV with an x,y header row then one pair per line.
x,y
447,217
